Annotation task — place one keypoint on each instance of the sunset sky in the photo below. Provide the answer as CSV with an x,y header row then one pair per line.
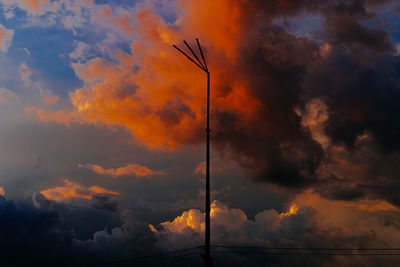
x,y
103,129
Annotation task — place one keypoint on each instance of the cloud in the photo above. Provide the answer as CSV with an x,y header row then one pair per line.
x,y
230,226
217,166
133,238
228,223
37,235
80,51
74,190
350,171
290,110
41,202
25,73
74,15
50,100
47,98
31,235
6,95
33,7
225,191
32,232
176,116
311,221
105,202
137,170
267,85
346,29
6,36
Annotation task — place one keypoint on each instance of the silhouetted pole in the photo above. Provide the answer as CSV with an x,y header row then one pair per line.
x,y
208,205
203,66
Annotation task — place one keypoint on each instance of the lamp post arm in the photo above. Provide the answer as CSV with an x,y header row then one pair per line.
x,y
189,57
194,54
202,55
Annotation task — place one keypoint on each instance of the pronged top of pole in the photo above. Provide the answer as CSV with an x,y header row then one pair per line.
x,y
199,63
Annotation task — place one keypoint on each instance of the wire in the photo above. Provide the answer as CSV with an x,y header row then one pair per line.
x,y
306,254
138,259
176,258
300,248
257,250
251,250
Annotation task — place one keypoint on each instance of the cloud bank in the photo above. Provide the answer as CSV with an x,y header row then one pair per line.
x,y
38,235
265,81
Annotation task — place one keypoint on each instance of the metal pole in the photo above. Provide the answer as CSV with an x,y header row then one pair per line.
x,y
203,66
207,259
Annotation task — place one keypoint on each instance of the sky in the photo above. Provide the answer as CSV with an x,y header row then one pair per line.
x,y
102,141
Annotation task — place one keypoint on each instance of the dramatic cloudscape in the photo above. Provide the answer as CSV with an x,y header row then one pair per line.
x,y
102,135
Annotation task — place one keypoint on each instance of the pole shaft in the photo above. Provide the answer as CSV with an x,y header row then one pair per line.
x,y
208,204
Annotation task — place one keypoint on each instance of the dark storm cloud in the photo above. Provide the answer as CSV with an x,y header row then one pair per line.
x,y
29,235
345,29
41,202
330,7
274,145
362,96
105,202
357,78
39,237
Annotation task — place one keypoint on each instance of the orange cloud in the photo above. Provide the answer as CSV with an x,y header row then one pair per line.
x,y
34,7
228,225
193,219
47,97
99,190
124,22
50,100
325,49
311,199
314,118
33,4
226,29
138,170
293,210
364,223
336,213
162,102
74,190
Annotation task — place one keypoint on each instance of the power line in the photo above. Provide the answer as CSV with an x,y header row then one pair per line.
x,y
300,248
175,258
305,254
177,255
302,251
149,257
